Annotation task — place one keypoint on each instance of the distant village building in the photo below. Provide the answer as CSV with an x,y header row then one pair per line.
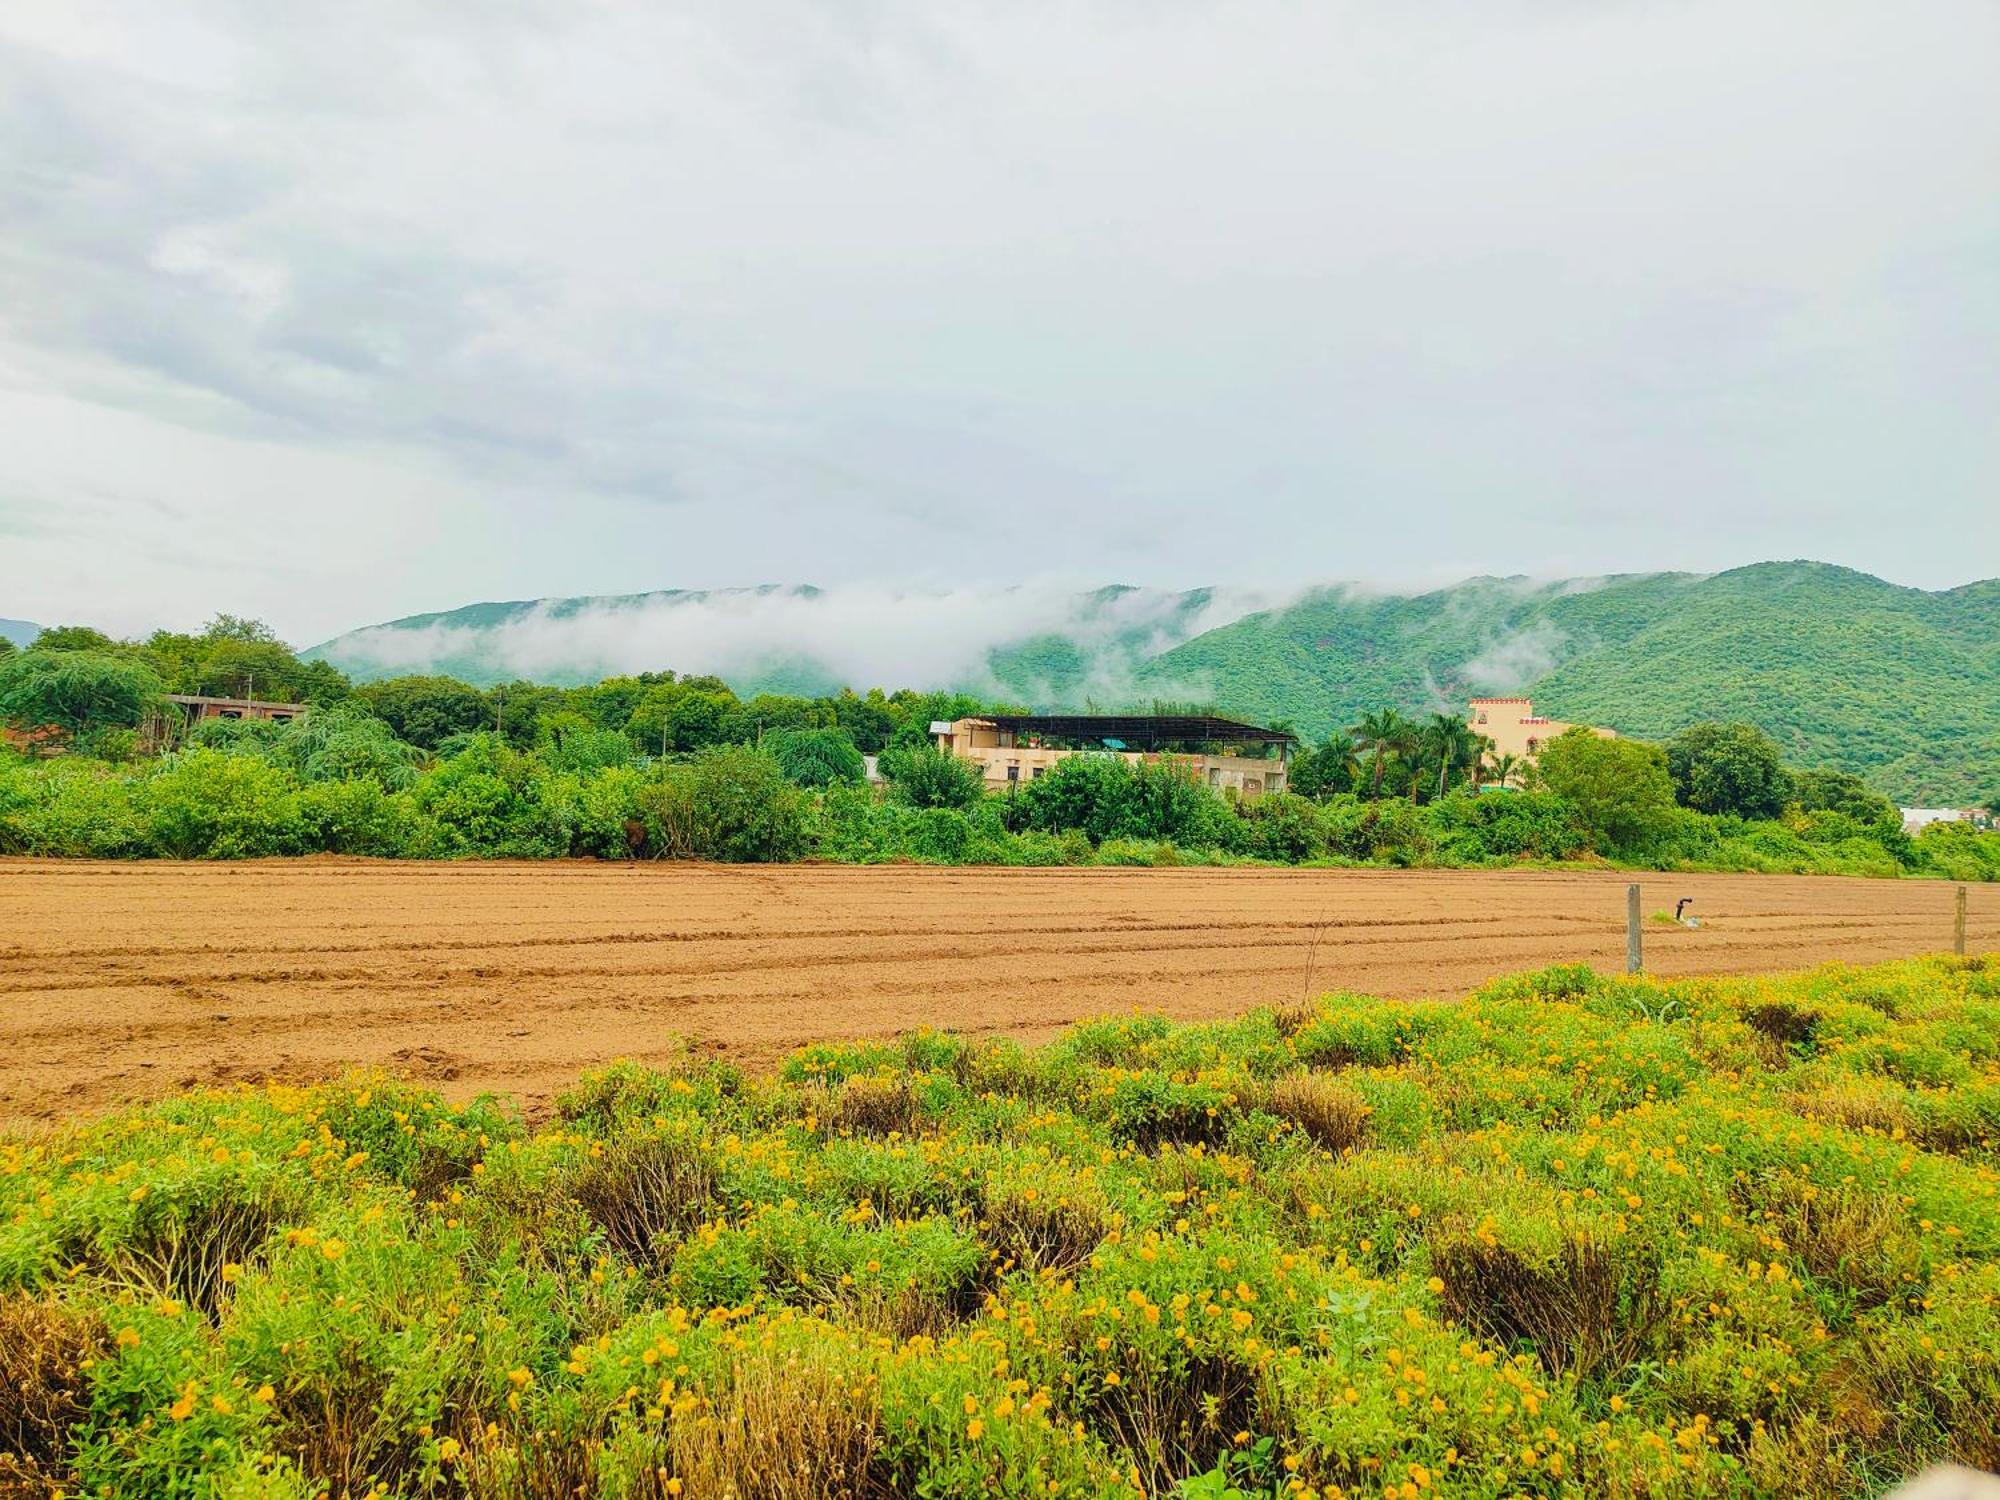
x,y
1221,753
1917,818
165,727
195,707
1516,729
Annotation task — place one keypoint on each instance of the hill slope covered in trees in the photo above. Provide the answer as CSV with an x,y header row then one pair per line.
x,y
1843,669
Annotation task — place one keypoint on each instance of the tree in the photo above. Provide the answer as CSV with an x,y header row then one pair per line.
x,y
1382,733
1450,741
924,776
7,648
1504,768
1619,788
77,638
1728,768
426,711
1327,770
816,757
80,694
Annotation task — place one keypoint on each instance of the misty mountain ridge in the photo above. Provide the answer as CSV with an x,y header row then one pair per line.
x,y
1899,684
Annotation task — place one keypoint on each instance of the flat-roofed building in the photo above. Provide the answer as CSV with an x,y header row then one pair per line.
x,y
197,706
1226,755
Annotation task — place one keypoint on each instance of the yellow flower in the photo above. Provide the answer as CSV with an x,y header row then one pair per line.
x,y
182,1409
230,1271
975,1429
128,1338
521,1375
221,1403
1436,1284
264,1395
333,1249
448,1450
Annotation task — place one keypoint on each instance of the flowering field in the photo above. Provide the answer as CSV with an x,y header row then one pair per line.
x,y
1574,1234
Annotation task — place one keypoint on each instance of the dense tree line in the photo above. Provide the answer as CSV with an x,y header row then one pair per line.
x,y
660,765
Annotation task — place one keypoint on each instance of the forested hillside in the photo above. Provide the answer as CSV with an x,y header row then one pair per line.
x,y
1841,668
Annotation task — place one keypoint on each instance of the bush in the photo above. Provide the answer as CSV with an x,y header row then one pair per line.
x,y
731,804
206,804
1475,828
1659,1237
1284,827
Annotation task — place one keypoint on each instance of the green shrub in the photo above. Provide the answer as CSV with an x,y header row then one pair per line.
x,y
207,804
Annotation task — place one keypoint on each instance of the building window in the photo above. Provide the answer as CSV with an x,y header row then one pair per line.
x,y
1533,743
1036,772
1013,771
1482,716
230,713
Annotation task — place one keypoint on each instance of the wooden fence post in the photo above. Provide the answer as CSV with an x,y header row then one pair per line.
x,y
1958,924
1633,958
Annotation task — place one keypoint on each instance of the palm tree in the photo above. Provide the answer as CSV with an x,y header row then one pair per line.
x,y
1450,739
1381,733
1505,768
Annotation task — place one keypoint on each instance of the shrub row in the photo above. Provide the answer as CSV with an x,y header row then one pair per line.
x,y
1573,1235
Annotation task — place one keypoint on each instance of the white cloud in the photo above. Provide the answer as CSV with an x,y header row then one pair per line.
x,y
862,634
740,291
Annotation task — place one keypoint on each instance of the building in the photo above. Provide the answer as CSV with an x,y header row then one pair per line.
x,y
1515,728
195,706
164,728
1013,748
1916,819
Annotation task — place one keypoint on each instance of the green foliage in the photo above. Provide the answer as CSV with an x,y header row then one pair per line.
x,y
924,776
816,757
1326,769
1620,789
1110,797
1897,685
79,693
426,711
1478,829
1728,768
1571,1234
732,803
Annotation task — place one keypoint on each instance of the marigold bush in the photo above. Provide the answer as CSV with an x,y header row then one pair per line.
x,y
1573,1235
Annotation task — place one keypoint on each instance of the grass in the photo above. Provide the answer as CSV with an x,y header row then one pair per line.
x,y
1575,1234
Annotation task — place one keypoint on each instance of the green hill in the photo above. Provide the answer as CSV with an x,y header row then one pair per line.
x,y
1843,669
1897,684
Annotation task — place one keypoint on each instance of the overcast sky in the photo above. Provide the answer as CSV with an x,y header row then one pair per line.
x,y
333,313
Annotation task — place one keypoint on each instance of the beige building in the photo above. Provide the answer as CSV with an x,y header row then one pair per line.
x,y
1516,729
1015,748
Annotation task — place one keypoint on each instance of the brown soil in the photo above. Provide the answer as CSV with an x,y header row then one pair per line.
x,y
126,981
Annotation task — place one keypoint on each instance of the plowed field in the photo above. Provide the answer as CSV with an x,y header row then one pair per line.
x,y
123,981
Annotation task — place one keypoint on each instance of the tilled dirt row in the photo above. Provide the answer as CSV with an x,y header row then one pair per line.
x,y
125,981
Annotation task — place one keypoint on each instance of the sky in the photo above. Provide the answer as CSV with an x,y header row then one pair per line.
x,y
331,313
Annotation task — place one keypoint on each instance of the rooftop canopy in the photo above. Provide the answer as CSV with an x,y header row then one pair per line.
x,y
1137,731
